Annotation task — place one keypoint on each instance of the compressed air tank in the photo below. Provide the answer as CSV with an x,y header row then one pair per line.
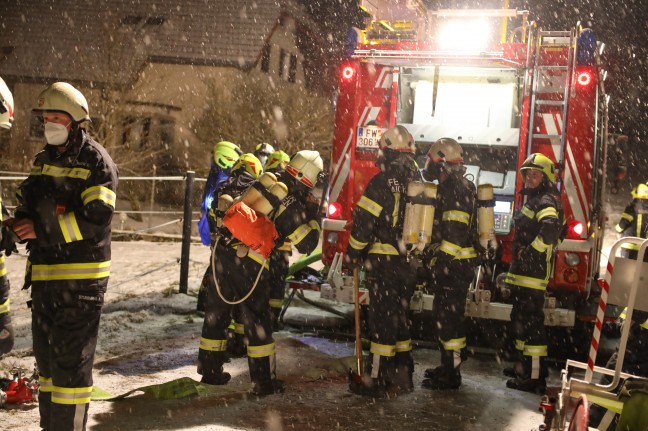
x,y
486,215
419,213
254,195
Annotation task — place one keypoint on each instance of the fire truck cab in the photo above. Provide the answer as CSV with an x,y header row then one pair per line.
x,y
503,88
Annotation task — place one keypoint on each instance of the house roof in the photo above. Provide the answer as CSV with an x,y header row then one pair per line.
x,y
111,40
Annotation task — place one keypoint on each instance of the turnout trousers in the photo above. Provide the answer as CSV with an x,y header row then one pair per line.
x,y
450,291
527,320
65,325
390,286
236,275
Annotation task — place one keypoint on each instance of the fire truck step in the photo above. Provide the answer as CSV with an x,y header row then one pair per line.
x,y
550,102
552,67
544,136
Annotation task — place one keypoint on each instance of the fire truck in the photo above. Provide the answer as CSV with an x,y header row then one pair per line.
x,y
503,87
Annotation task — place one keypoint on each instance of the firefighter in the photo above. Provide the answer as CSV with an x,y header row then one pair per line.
x,y
262,152
6,328
634,220
538,227
376,240
244,172
64,213
280,258
240,269
453,260
225,154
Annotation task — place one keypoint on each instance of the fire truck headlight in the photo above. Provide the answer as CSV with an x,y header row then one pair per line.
x,y
454,37
332,237
572,259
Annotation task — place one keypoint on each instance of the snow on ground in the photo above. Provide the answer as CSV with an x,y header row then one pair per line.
x,y
149,335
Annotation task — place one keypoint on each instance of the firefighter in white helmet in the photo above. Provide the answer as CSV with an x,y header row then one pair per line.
x,y
6,236
451,268
237,268
65,212
377,242
538,227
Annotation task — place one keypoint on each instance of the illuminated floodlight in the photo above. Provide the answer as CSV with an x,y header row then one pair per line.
x,y
465,35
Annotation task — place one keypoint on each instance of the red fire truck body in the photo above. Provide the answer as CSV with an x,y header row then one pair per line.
x,y
535,91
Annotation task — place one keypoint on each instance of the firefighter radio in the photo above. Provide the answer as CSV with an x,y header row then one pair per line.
x,y
503,216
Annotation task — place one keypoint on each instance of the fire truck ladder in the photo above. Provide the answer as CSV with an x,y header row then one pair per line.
x,y
543,73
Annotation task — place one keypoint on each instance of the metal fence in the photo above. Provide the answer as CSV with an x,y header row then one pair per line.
x,y
170,203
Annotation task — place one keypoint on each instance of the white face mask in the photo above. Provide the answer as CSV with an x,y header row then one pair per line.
x,y
55,133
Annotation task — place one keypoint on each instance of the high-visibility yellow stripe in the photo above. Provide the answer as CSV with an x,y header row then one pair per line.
x,y
59,172
239,328
302,231
382,248
535,350
213,345
4,307
539,245
70,227
526,211
454,344
101,193
396,209
627,216
261,351
276,303
71,396
383,349
370,206
519,345
45,384
522,281
35,170
71,271
547,212
286,246
403,346
456,251
455,215
619,229
3,268
257,257
358,245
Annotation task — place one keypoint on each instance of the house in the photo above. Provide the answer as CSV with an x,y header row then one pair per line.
x,y
146,67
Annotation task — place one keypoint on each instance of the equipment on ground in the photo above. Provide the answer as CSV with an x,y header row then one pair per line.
x,y
19,389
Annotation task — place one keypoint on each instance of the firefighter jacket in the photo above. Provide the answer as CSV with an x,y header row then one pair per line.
x,y
455,224
234,186
379,215
70,197
297,219
634,220
538,227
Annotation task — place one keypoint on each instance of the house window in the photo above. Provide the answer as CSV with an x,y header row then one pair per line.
x,y
282,64
155,131
265,58
292,72
136,132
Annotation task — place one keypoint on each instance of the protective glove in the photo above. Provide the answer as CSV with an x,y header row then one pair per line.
x,y
8,240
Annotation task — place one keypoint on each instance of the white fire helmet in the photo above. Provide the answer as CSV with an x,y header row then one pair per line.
x,y
63,97
6,106
306,166
399,139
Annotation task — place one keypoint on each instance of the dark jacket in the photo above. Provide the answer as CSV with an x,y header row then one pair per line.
x,y
538,227
71,199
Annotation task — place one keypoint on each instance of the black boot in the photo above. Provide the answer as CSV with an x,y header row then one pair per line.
x,y
443,379
514,372
210,366
403,378
262,374
534,386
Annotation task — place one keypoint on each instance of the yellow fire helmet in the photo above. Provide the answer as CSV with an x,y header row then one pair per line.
x,y
226,154
542,163
277,160
250,163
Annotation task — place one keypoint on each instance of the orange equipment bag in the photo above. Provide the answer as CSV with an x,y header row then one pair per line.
x,y
253,229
